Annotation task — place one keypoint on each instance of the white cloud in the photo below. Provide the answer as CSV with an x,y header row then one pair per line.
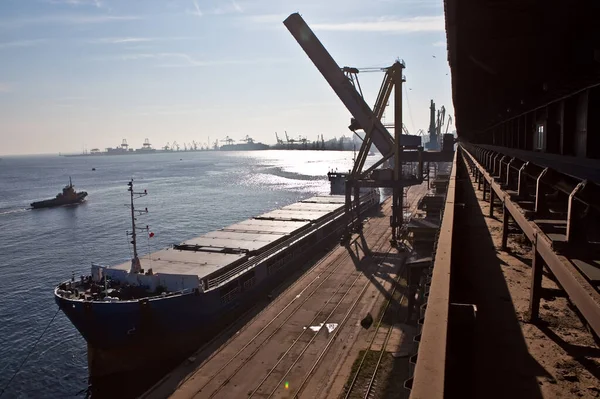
x,y
96,3
183,60
196,10
117,40
266,18
66,19
5,87
236,6
133,40
232,8
387,25
21,43
441,43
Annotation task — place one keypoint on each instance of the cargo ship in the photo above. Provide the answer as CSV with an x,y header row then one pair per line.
x,y
184,289
244,147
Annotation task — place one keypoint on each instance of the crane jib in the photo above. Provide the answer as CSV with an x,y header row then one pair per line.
x,y
344,89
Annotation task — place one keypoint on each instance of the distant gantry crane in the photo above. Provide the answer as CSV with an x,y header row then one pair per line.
x,y
228,140
289,140
279,141
146,146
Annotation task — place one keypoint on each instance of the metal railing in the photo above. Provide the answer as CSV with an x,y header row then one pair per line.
x,y
581,200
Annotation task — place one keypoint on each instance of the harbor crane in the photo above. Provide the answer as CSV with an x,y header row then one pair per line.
x,y
279,141
228,140
449,122
289,140
146,145
124,145
441,116
248,139
344,83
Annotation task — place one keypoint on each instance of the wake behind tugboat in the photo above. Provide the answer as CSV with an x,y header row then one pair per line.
x,y
68,197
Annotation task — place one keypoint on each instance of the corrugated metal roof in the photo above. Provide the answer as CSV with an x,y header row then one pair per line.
x,y
282,214
172,261
254,234
311,207
231,243
326,199
261,225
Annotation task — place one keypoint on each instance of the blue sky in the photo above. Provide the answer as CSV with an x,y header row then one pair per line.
x,y
87,73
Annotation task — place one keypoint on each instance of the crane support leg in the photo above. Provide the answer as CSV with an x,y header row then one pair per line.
x,y
397,210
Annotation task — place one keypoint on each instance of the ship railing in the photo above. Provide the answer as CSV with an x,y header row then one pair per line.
x,y
216,281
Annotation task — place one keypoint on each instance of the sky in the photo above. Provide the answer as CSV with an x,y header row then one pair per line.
x,y
83,74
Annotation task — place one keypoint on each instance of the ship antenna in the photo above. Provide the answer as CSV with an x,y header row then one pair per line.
x,y
135,261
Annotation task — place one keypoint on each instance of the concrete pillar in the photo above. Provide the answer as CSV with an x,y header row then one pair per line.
x,y
535,293
505,220
492,199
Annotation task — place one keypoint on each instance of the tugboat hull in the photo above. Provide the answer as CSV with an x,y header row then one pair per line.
x,y
59,202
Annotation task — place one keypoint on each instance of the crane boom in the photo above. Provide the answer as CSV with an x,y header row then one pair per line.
x,y
340,83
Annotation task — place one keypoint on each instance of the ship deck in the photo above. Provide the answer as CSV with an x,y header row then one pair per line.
x,y
304,343
206,255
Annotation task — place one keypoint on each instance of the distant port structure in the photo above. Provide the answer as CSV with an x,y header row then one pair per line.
x,y
343,143
431,140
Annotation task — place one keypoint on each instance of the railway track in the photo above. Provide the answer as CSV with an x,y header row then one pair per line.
x,y
284,343
371,378
270,384
257,342
281,387
372,381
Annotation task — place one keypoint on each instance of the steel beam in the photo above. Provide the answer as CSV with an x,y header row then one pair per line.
x,y
398,193
339,83
430,370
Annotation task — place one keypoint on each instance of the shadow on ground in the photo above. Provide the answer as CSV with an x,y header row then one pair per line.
x,y
489,358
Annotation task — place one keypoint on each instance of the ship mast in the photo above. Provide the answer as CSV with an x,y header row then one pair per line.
x,y
135,261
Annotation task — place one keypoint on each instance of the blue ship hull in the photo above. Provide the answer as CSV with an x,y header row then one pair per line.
x,y
114,325
119,325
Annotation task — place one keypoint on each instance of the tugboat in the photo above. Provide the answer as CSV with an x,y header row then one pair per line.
x,y
68,197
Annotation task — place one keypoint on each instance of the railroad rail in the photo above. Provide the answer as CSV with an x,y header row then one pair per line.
x,y
241,360
299,305
370,385
373,375
280,347
322,263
